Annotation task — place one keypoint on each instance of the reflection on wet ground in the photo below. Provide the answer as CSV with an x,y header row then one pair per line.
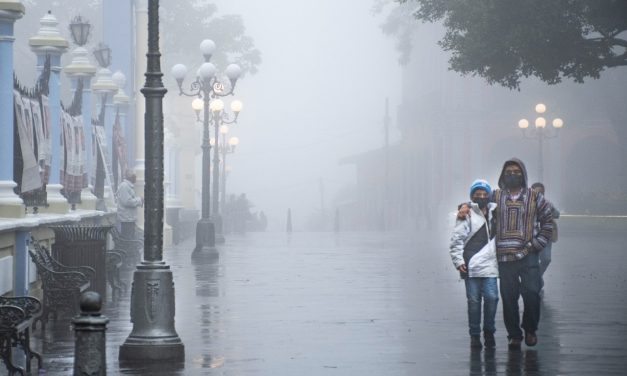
x,y
367,304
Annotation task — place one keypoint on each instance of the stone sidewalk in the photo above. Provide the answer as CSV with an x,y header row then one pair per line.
x,y
368,304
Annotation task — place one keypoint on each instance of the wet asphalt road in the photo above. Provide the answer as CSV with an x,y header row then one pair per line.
x,y
369,304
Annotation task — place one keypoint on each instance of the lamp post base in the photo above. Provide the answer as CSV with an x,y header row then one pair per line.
x,y
205,236
152,313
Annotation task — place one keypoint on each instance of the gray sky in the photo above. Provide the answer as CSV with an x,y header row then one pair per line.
x,y
319,96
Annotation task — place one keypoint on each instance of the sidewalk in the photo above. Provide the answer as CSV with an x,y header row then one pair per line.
x,y
367,304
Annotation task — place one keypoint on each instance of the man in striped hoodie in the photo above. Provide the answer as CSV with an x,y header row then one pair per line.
x,y
517,247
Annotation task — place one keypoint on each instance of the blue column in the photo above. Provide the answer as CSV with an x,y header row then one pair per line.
x,y
7,19
21,275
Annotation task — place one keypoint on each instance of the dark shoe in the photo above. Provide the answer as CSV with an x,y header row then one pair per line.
x,y
514,344
488,340
531,339
475,342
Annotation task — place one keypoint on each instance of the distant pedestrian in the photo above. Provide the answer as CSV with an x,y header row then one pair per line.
x,y
473,253
545,254
128,203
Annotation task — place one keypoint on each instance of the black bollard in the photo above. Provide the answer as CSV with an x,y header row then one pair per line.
x,y
90,356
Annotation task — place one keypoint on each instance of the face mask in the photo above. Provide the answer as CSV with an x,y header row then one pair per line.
x,y
513,181
482,202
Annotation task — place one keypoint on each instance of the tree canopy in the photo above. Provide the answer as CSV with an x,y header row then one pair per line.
x,y
504,41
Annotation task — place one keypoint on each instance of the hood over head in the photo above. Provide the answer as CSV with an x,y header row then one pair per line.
x,y
522,167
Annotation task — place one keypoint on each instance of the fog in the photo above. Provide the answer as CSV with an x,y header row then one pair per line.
x,y
319,96
312,131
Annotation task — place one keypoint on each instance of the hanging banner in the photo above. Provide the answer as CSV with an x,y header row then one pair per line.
x,y
73,151
31,179
101,139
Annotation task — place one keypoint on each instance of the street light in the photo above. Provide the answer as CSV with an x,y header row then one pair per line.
x,y
153,337
540,132
225,147
208,85
80,30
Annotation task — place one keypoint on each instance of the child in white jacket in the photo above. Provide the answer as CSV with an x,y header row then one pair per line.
x,y
474,256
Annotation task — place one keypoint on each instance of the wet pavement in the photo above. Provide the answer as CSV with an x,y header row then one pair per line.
x,y
368,304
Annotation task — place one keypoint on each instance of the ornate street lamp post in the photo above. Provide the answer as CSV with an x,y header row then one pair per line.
x,y
205,87
540,132
225,148
153,337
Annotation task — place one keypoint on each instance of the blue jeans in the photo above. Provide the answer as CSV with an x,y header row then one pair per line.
x,y
476,289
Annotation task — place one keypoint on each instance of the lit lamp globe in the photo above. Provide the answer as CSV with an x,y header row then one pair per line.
x,y
212,141
236,106
234,141
216,105
523,124
224,129
558,123
197,104
540,108
540,122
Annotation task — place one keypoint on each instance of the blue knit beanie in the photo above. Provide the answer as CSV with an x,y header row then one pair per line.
x,y
480,184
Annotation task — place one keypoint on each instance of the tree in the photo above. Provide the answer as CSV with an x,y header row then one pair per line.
x,y
504,41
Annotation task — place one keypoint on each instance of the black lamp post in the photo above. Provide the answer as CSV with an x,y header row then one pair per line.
x,y
153,337
205,87
226,147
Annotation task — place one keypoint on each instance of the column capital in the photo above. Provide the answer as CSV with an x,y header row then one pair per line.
x,y
48,39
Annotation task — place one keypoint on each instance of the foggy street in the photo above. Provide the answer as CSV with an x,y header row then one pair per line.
x,y
371,304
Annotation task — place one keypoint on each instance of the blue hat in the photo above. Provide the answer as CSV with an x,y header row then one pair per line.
x,y
480,184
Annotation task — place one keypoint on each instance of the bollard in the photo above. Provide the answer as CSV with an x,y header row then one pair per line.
x,y
288,226
89,327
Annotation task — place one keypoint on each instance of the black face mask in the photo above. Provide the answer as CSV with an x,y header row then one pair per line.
x,y
482,202
513,181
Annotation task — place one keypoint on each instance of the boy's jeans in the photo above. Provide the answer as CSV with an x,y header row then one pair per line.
x,y
477,288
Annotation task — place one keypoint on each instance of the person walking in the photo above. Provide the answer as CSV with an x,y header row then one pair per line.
x,y
519,211
128,203
473,253
545,254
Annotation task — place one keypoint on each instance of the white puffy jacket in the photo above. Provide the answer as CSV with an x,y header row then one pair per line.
x,y
472,243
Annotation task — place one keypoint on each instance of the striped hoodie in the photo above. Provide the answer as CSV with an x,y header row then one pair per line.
x,y
515,219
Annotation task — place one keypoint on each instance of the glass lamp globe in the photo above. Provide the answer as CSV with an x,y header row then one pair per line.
x,y
558,123
234,141
236,106
540,122
216,105
207,71
224,129
540,108
523,124
207,47
179,71
197,104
